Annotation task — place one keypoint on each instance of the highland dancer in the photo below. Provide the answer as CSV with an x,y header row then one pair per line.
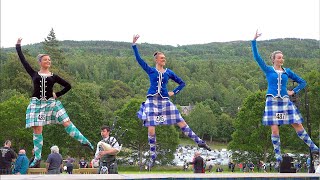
x,y
158,109
279,109
44,108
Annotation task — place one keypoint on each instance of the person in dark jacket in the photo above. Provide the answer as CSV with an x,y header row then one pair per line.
x,y
198,163
7,156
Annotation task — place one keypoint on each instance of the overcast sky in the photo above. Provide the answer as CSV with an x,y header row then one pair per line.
x,y
169,22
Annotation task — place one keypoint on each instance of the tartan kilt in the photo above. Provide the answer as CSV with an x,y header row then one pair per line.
x,y
43,112
159,111
280,111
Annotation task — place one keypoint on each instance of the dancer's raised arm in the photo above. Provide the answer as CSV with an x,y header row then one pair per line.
x,y
255,52
23,60
142,63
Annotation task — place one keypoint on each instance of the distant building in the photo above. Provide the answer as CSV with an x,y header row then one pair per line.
x,y
186,109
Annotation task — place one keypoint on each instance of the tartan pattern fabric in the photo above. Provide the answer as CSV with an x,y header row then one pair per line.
x,y
276,146
152,144
306,138
188,132
73,131
280,111
159,111
43,112
37,146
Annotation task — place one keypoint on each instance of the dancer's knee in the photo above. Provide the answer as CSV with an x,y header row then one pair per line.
x,y
151,130
37,129
275,130
67,123
182,124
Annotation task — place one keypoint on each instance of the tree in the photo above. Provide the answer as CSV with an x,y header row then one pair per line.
x,y
250,135
12,118
224,127
202,121
51,46
14,76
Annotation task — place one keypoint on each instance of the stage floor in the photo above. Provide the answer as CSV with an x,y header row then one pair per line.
x,y
168,176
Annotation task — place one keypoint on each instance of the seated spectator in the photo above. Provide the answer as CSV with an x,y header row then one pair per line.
x,y
83,163
22,163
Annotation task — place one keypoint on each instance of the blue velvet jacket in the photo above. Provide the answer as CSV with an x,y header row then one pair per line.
x,y
158,80
277,83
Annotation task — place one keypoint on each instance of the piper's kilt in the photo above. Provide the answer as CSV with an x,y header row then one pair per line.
x,y
280,111
43,112
158,111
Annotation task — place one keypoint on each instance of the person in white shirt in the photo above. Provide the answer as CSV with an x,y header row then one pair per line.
x,y
106,152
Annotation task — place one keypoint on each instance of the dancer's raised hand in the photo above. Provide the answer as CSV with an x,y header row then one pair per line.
x,y
19,40
135,38
257,35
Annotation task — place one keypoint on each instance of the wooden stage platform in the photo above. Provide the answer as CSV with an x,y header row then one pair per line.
x,y
264,176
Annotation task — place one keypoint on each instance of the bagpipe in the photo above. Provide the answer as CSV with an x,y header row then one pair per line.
x,y
117,135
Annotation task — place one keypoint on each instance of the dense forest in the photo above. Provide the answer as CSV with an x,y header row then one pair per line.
x,y
223,85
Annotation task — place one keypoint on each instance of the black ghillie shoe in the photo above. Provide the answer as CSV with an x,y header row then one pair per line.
x,y
205,146
34,163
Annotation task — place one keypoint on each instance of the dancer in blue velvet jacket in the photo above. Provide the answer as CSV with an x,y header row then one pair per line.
x,y
279,109
158,109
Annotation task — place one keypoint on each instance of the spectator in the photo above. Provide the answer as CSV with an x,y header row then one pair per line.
x,y
297,165
244,167
241,167
6,158
232,166
54,161
83,163
219,169
251,166
37,165
263,166
198,163
185,165
22,163
259,166
210,168
70,162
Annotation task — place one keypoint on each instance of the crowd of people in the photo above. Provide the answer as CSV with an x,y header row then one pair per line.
x,y
18,163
